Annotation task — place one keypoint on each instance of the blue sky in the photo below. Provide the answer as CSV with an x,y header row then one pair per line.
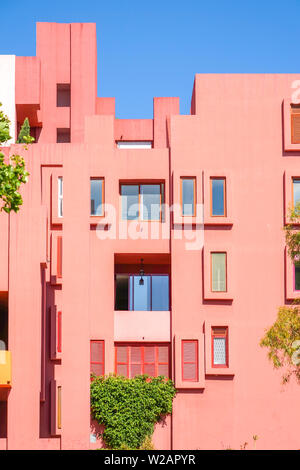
x,y
154,48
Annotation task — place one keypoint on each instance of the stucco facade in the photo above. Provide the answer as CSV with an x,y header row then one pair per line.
x,y
63,269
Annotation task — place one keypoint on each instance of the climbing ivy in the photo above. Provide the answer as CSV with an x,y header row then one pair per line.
x,y
129,408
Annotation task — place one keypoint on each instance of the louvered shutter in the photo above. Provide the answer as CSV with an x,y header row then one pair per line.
x,y
97,357
295,124
135,361
190,360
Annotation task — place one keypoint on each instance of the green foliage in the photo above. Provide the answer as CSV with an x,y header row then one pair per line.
x,y
281,336
4,127
24,134
12,175
292,235
129,408
279,340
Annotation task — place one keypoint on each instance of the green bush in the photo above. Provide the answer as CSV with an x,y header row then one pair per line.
x,y
129,408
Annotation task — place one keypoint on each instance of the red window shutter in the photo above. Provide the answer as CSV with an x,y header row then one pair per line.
x,y
190,360
59,257
97,357
122,353
133,359
295,124
59,332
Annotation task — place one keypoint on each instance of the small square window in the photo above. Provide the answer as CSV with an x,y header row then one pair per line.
x,y
63,135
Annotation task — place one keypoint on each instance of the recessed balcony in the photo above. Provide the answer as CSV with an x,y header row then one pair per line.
x,y
5,369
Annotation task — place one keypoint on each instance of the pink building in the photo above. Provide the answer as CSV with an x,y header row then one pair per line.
x,y
98,273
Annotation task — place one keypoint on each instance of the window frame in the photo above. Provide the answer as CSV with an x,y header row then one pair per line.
x,y
294,115
98,178
195,195
102,342
224,196
294,178
196,362
211,272
294,271
223,336
139,184
130,344
129,293
60,197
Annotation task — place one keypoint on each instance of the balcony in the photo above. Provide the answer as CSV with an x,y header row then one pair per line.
x,y
5,371
134,325
142,297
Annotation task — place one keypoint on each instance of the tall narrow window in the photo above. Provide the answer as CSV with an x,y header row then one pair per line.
x,y
97,196
218,197
59,407
188,196
97,357
297,277
219,347
218,272
134,359
141,201
296,191
59,257
60,195
59,331
295,124
189,360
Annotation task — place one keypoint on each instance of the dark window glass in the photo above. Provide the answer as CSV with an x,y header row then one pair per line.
x,y
218,196
96,196
188,196
297,277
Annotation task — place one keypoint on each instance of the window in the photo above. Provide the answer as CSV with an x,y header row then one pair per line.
x,y
59,316
296,277
97,196
97,357
59,407
130,144
189,360
141,201
151,294
188,196
218,197
218,272
63,135
59,257
296,191
219,347
63,95
295,124
60,196
135,359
